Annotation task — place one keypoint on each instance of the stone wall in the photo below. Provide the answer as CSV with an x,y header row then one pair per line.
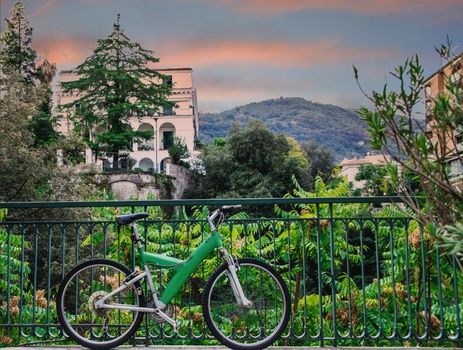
x,y
182,177
126,186
170,185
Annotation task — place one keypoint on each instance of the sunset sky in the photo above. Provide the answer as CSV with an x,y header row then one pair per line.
x,y
248,50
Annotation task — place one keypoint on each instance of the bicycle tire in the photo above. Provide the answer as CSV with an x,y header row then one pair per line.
x,y
65,324
216,288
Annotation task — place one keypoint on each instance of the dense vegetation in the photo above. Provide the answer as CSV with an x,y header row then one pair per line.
x,y
339,129
254,162
28,143
386,282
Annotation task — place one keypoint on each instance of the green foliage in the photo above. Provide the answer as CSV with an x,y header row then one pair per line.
x,y
116,83
18,302
423,154
42,126
322,159
339,129
15,50
178,151
376,183
369,264
251,162
28,173
349,247
17,55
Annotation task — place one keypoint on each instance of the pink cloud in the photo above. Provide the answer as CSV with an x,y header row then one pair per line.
x,y
366,7
203,53
64,50
278,54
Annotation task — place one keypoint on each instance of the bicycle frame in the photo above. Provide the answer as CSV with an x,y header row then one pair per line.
x,y
183,270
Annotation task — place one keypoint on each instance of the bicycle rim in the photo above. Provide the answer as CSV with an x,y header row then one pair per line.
x,y
248,327
92,327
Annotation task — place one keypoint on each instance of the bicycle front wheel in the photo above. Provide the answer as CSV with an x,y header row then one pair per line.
x,y
252,327
92,327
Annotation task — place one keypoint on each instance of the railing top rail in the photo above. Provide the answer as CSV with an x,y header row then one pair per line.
x,y
196,202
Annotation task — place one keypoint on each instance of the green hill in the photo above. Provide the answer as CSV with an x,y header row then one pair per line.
x,y
340,129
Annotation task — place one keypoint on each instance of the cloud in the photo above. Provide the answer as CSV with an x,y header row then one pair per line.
x,y
42,9
64,50
277,54
72,50
364,7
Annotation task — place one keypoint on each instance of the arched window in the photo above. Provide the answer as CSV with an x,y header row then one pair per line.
x,y
167,133
163,164
146,164
146,145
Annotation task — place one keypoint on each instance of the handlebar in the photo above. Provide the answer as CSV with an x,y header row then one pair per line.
x,y
220,212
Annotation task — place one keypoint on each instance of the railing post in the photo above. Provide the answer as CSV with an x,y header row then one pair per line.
x,y
333,276
319,279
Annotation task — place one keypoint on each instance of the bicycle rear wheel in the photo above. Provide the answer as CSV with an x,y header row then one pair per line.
x,y
98,328
240,327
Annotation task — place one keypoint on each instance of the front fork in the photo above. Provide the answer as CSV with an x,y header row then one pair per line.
x,y
233,267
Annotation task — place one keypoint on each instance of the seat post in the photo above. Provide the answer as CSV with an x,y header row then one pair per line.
x,y
135,236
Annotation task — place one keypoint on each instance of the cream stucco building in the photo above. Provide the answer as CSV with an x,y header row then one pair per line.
x,y
180,121
350,167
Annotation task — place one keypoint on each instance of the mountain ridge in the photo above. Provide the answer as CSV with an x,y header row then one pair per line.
x,y
341,129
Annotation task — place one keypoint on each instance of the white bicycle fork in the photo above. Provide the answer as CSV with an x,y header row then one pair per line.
x,y
234,281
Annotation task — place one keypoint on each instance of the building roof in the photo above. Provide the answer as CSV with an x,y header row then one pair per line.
x,y
374,159
346,162
172,69
441,69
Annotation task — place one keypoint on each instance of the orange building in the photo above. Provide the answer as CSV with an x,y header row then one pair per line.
x,y
450,143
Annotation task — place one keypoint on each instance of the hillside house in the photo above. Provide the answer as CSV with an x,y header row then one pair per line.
x,y
180,121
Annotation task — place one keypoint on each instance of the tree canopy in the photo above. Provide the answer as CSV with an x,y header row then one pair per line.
x,y
322,159
114,84
251,162
15,50
16,54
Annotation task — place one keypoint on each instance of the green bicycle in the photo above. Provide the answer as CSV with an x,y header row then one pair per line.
x,y
101,302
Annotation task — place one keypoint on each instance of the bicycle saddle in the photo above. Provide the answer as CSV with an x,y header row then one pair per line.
x,y
129,218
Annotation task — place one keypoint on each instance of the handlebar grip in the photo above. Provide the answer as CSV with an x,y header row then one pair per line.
x,y
228,207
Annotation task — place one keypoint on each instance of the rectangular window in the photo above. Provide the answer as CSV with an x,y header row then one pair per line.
x,y
167,80
168,110
167,139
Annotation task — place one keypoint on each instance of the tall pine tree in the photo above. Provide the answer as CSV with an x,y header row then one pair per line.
x,y
42,125
114,84
16,54
15,50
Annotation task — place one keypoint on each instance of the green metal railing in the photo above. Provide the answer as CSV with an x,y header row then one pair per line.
x,y
359,270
